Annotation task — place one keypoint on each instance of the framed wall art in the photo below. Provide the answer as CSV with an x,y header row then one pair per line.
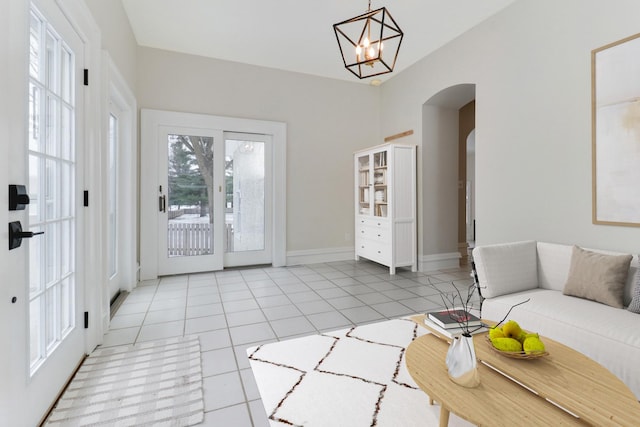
x,y
615,71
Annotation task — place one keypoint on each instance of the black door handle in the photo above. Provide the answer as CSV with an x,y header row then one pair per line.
x,y
16,234
27,234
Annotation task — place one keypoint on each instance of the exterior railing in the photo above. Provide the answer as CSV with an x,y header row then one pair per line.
x,y
191,239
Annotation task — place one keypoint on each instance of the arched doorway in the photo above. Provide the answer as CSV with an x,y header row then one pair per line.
x,y
448,118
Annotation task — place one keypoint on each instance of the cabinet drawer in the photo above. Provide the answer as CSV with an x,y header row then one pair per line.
x,y
378,234
374,251
372,222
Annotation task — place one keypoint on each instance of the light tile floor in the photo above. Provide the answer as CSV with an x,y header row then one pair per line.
x,y
232,310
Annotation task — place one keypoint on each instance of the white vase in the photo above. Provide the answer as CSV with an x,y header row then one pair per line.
x,y
461,362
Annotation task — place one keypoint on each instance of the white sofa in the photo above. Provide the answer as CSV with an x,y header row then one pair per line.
x,y
513,272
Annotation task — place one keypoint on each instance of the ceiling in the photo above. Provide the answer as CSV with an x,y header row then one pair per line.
x,y
296,35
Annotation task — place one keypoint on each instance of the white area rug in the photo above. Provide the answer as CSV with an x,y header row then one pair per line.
x,y
155,383
352,377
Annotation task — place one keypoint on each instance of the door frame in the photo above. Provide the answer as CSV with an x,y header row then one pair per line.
x,y
151,120
118,94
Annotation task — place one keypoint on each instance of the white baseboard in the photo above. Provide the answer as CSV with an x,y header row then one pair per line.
x,y
315,256
439,261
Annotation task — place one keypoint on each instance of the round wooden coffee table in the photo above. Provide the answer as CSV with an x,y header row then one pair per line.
x,y
564,388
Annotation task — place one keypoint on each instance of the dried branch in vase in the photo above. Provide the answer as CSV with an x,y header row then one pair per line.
x,y
455,301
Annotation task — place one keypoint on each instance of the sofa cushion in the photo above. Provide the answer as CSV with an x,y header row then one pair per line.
x,y
598,277
553,265
634,306
506,268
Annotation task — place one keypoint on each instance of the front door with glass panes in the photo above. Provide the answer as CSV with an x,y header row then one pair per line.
x,y
56,341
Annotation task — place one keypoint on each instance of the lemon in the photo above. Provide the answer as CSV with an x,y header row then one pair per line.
x,y
507,344
511,329
533,345
495,333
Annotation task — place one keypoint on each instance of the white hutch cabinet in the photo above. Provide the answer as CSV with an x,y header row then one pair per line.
x,y
385,231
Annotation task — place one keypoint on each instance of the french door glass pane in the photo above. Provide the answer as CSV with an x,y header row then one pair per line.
x,y
35,331
35,96
53,301
51,190
66,75
190,195
66,296
36,259
35,48
66,248
66,132
245,195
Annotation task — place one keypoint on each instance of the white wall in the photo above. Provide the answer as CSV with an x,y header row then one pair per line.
x,y
531,67
440,181
327,120
117,36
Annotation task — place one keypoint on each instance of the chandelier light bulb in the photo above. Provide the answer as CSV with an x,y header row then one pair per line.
x,y
366,42
371,52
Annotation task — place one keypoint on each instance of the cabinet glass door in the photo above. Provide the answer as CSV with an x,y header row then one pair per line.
x,y
380,195
364,185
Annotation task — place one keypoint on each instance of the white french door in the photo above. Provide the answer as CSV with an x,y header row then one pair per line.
x,y
197,179
190,200
55,106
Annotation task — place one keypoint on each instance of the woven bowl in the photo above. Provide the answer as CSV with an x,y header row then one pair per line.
x,y
516,354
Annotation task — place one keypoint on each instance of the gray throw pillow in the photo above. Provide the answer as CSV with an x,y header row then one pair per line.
x,y
598,277
634,306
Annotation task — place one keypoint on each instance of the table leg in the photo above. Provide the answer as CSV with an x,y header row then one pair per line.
x,y
444,416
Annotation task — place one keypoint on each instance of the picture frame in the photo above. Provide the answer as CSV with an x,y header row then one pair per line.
x,y
615,85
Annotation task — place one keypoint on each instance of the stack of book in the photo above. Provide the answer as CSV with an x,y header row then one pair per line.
x,y
454,322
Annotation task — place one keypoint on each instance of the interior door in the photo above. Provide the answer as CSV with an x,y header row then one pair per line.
x,y
190,200
248,199
56,288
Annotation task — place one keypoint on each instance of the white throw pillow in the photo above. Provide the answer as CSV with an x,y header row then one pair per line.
x,y
506,268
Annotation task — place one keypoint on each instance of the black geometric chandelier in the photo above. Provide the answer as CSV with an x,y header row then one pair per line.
x,y
369,43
